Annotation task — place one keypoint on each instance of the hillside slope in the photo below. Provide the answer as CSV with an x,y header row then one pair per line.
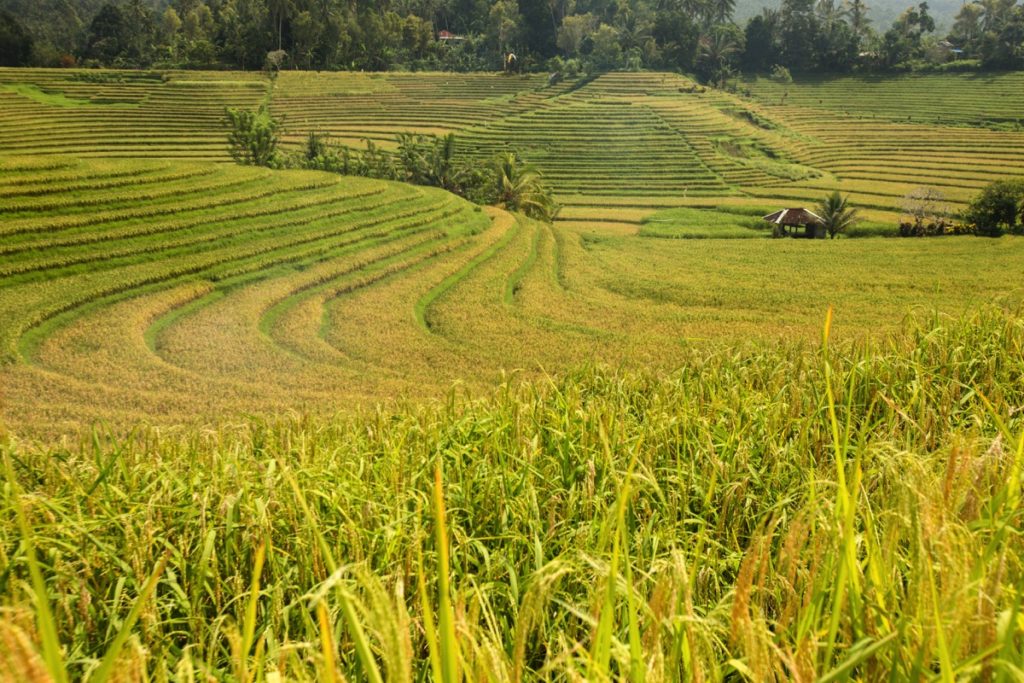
x,y
170,291
615,149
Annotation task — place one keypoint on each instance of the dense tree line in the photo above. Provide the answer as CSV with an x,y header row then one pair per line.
x,y
694,36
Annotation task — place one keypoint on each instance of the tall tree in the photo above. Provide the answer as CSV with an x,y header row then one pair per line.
x,y
797,28
857,12
606,52
720,11
719,54
902,42
280,11
15,42
573,30
761,49
967,28
539,27
505,24
677,37
246,38
105,41
1003,47
139,19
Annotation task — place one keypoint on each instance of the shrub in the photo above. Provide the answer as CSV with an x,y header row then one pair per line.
x,y
780,74
998,208
254,136
432,161
934,227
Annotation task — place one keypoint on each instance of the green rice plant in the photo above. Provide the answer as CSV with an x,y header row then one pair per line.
x,y
685,223
842,511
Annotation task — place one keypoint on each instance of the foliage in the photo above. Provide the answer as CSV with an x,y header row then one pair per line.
x,y
518,187
253,136
936,226
802,35
780,74
992,31
677,36
998,208
856,504
605,48
106,32
433,161
761,43
15,42
275,60
719,54
904,41
837,214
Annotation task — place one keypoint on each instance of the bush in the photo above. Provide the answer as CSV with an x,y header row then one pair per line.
x,y
780,74
935,227
999,208
254,136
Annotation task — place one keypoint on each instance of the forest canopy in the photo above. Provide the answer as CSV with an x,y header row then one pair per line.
x,y
693,36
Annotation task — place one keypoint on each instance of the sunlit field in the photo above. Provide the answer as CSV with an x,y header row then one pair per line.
x,y
269,425
162,292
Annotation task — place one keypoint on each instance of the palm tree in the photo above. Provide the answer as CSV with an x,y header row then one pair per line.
x,y
994,11
279,9
857,11
830,12
716,54
836,214
519,188
721,10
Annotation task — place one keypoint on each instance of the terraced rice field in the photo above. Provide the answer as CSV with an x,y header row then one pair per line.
x,y
615,149
139,278
162,291
642,458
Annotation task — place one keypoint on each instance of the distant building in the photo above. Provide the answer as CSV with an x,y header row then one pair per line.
x,y
948,50
788,221
445,36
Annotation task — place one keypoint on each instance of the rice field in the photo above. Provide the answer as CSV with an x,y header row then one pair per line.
x,y
266,425
616,148
164,291
763,513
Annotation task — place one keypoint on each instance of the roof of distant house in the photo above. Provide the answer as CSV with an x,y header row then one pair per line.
x,y
798,216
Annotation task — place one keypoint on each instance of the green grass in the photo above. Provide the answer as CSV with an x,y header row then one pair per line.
x,y
38,95
704,224
768,512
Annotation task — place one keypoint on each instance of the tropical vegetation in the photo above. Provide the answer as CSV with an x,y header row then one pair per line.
x,y
999,208
836,213
696,36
